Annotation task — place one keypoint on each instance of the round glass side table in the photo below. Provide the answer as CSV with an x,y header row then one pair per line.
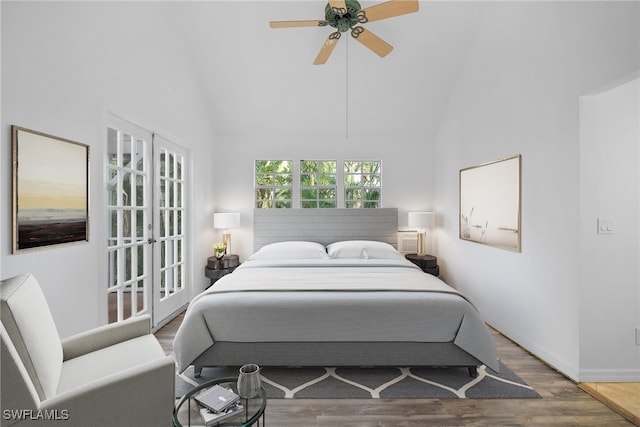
x,y
187,411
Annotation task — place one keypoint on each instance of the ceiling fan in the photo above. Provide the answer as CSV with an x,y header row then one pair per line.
x,y
345,15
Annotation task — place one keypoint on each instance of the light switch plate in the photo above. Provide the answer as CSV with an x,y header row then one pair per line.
x,y
605,226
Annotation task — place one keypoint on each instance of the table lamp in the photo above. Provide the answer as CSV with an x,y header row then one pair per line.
x,y
421,221
226,221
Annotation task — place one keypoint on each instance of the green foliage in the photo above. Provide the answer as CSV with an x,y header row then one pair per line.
x,y
274,179
318,183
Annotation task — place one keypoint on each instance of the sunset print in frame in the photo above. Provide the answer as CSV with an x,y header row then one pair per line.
x,y
50,190
490,203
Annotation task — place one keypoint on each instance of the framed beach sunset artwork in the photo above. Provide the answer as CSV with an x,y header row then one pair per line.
x,y
50,190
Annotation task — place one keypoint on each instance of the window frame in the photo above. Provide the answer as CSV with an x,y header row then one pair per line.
x,y
296,188
274,201
364,176
316,175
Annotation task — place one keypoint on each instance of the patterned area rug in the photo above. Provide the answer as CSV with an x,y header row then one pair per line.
x,y
374,383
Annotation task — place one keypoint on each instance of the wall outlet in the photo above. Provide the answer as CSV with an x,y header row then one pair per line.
x,y
637,336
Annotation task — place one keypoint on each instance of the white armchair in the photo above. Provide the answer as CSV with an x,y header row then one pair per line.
x,y
115,375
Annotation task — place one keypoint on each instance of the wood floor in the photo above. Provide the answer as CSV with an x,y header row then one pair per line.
x,y
624,398
563,403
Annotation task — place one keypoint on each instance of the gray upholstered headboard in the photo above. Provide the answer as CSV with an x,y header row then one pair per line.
x,y
324,225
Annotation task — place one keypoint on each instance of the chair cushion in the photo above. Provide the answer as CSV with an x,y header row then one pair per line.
x,y
109,360
30,326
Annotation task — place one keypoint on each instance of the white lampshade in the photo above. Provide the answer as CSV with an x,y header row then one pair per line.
x,y
226,220
421,219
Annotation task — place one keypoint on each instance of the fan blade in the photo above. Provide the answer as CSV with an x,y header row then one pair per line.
x,y
340,6
373,42
326,50
390,9
292,24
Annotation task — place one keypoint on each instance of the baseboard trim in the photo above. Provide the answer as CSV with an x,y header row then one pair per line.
x,y
547,357
610,375
169,318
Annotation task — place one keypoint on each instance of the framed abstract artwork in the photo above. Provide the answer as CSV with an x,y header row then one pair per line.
x,y
50,190
490,203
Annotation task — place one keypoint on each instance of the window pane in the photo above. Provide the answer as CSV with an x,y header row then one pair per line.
x,y
113,228
140,225
283,194
309,194
126,190
327,193
112,147
273,181
171,162
264,179
317,183
140,180
282,179
126,150
140,155
179,162
327,204
141,251
362,181
352,180
127,264
282,204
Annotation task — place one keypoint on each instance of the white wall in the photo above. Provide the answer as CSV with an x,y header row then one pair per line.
x,y
609,272
405,160
519,94
63,65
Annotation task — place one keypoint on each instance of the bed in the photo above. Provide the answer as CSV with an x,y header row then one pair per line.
x,y
300,300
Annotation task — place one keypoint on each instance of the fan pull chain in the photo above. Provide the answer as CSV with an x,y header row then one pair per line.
x,y
346,109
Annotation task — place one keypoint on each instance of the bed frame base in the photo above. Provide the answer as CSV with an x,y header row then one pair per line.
x,y
336,354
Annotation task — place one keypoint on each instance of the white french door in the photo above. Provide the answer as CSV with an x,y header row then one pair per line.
x,y
146,187
169,227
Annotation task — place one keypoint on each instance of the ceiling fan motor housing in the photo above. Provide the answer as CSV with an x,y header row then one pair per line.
x,y
343,21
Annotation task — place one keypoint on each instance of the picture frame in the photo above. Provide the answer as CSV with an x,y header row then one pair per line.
x,y
50,190
490,203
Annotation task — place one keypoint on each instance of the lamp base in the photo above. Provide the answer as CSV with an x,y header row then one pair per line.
x,y
226,239
422,243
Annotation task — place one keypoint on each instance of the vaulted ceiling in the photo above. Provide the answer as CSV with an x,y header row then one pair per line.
x,y
259,80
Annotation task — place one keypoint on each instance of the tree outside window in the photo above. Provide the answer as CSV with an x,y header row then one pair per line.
x,y
362,184
318,184
273,183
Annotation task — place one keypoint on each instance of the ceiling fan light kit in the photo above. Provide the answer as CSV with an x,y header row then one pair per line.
x,y
345,15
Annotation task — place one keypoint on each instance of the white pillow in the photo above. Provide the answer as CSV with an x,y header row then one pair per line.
x,y
291,250
363,249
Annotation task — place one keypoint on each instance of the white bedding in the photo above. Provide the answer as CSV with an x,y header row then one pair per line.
x,y
331,300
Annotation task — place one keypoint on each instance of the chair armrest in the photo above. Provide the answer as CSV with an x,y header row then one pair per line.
x,y
104,336
140,396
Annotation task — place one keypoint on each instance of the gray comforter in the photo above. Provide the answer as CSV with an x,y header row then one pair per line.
x,y
333,301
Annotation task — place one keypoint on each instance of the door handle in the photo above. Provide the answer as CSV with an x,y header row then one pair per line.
x,y
151,240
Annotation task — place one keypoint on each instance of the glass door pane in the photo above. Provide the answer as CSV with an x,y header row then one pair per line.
x,y
128,220
171,185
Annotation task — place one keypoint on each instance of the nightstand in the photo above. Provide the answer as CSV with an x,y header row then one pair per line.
x,y
428,263
229,263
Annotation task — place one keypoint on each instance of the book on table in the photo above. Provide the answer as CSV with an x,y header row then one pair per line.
x,y
210,418
217,398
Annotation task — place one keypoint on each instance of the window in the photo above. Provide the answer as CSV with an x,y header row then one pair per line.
x,y
274,183
318,184
362,184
